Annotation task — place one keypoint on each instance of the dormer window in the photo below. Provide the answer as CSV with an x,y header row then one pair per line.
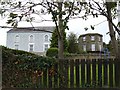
x,y
92,38
31,38
46,38
16,38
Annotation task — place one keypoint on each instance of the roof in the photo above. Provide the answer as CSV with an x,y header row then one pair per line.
x,y
91,34
32,29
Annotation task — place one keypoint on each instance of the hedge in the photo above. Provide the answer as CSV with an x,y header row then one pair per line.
x,y
52,52
18,66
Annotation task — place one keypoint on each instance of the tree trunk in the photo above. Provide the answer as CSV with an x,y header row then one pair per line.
x,y
60,28
112,32
60,48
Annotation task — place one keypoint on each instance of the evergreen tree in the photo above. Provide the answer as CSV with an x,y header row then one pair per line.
x,y
72,43
54,40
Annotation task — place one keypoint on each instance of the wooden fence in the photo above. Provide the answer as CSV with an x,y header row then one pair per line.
x,y
81,74
73,73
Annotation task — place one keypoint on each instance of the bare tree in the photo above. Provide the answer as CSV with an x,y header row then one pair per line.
x,y
108,10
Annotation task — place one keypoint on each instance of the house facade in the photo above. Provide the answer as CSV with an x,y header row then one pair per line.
x,y
90,42
36,40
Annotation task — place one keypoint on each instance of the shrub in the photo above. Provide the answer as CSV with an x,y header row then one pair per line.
x,y
52,52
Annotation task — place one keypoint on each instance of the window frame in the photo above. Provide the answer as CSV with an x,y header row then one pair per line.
x,y
31,41
84,38
46,39
100,47
45,47
93,48
17,46
17,38
84,48
29,47
92,38
99,38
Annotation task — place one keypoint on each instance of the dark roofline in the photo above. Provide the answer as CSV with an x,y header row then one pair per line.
x,y
91,34
29,29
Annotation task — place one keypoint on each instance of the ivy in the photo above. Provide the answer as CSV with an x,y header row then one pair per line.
x,y
19,66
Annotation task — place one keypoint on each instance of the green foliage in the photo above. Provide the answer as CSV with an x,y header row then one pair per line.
x,y
19,67
13,15
52,52
72,43
109,47
54,40
82,52
111,4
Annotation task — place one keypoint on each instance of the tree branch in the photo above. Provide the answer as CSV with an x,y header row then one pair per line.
x,y
50,8
70,11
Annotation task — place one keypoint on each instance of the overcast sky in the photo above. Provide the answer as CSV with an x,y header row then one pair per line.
x,y
76,26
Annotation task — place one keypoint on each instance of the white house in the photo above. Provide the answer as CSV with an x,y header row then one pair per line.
x,y
36,40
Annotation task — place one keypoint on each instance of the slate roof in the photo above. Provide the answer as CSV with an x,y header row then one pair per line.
x,y
90,34
32,29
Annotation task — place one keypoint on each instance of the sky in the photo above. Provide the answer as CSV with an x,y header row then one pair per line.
x,y
76,26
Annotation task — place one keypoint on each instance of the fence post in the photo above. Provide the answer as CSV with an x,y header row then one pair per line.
x,y
77,73
105,64
45,79
100,72
83,72
111,63
71,73
65,72
94,80
88,63
117,73
56,76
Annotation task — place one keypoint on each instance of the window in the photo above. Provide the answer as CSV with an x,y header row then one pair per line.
x,y
99,38
93,47
46,47
84,38
16,47
16,38
31,39
46,38
84,47
100,47
92,38
31,47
